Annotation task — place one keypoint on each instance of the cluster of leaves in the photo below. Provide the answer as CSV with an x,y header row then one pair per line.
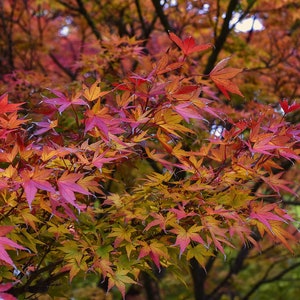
x,y
64,211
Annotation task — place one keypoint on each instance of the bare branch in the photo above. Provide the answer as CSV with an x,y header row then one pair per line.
x,y
272,279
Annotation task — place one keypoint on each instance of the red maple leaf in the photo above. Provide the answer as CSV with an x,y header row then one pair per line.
x,y
188,45
221,77
288,108
7,243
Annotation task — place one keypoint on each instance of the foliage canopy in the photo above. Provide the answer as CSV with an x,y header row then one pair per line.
x,y
121,153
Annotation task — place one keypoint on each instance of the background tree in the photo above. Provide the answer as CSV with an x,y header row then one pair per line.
x,y
120,124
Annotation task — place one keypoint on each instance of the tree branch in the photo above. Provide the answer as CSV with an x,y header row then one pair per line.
x,y
89,20
220,41
143,24
62,67
272,279
163,18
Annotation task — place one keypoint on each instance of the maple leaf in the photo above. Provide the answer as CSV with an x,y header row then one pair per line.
x,y
263,142
188,45
281,234
46,126
101,119
181,213
100,159
288,153
7,243
121,234
184,237
4,288
187,111
11,121
160,220
67,187
8,107
221,77
155,250
262,213
34,180
104,265
63,101
119,279
10,156
163,66
200,253
218,234
288,108
276,183
94,91
55,202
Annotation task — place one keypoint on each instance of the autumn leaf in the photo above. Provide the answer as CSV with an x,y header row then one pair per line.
x,y
10,156
160,220
155,250
45,126
163,66
288,108
11,121
63,101
6,243
188,45
104,265
100,159
94,91
119,279
6,107
277,184
221,77
187,111
263,213
67,187
281,234
180,213
200,253
121,234
4,288
184,237
34,180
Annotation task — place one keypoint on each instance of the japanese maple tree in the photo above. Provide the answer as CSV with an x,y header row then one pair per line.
x,y
127,158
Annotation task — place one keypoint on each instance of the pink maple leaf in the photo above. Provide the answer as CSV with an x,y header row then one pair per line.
x,y
34,180
99,159
181,213
262,212
7,243
46,126
67,187
184,237
63,101
4,288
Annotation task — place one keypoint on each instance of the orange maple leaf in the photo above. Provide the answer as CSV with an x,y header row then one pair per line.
x,y
8,107
221,77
